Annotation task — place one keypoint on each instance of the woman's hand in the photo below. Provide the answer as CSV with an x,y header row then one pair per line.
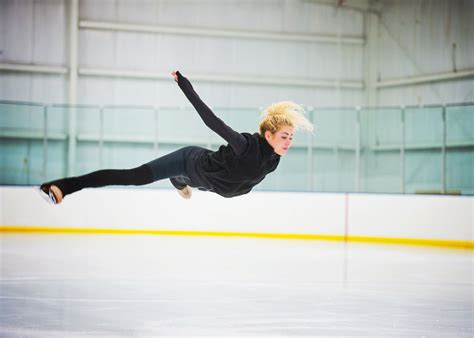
x,y
175,75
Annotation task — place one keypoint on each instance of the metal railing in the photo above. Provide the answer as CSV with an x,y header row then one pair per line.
x,y
426,149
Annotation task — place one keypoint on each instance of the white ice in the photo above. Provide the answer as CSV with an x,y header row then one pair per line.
x,y
134,285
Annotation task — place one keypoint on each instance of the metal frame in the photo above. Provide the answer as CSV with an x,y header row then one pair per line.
x,y
222,33
430,78
28,68
45,135
270,81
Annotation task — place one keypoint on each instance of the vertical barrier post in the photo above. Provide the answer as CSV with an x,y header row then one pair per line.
x,y
357,142
156,138
443,153
101,137
45,143
309,153
402,149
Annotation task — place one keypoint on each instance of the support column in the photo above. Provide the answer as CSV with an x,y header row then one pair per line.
x,y
73,47
371,99
371,58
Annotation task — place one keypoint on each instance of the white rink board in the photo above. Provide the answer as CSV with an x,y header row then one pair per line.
x,y
165,209
400,216
434,217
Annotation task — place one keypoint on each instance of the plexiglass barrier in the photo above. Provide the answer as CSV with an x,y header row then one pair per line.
x,y
426,149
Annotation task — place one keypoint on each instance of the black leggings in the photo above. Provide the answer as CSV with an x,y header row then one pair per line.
x,y
171,166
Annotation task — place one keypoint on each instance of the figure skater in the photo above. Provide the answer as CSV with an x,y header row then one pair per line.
x,y
232,170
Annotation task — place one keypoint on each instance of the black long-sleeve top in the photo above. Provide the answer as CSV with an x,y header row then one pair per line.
x,y
234,169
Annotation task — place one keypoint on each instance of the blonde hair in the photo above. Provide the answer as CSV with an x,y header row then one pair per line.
x,y
285,113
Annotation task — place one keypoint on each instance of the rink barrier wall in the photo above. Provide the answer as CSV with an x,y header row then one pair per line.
x,y
438,221
376,240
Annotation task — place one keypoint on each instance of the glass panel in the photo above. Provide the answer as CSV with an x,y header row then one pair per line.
x,y
87,135
291,174
21,146
182,126
381,134
135,124
460,149
334,160
350,150
424,138
25,117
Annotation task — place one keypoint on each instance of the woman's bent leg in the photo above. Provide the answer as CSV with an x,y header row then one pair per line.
x,y
171,165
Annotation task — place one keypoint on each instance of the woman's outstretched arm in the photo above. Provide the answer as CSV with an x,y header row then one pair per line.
x,y
235,139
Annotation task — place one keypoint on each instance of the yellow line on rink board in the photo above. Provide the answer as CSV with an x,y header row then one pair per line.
x,y
455,244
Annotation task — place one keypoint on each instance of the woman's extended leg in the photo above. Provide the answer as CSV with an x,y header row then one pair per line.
x,y
136,176
170,165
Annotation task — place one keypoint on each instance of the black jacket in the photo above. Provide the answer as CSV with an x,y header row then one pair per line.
x,y
235,168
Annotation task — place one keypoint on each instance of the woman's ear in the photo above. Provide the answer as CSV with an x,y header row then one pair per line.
x,y
268,136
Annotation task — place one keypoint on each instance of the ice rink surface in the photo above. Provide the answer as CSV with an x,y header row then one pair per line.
x,y
54,285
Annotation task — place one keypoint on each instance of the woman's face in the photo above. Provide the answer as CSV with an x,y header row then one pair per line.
x,y
281,140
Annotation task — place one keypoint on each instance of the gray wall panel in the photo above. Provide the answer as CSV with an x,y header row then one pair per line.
x,y
50,33
97,49
17,26
426,37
